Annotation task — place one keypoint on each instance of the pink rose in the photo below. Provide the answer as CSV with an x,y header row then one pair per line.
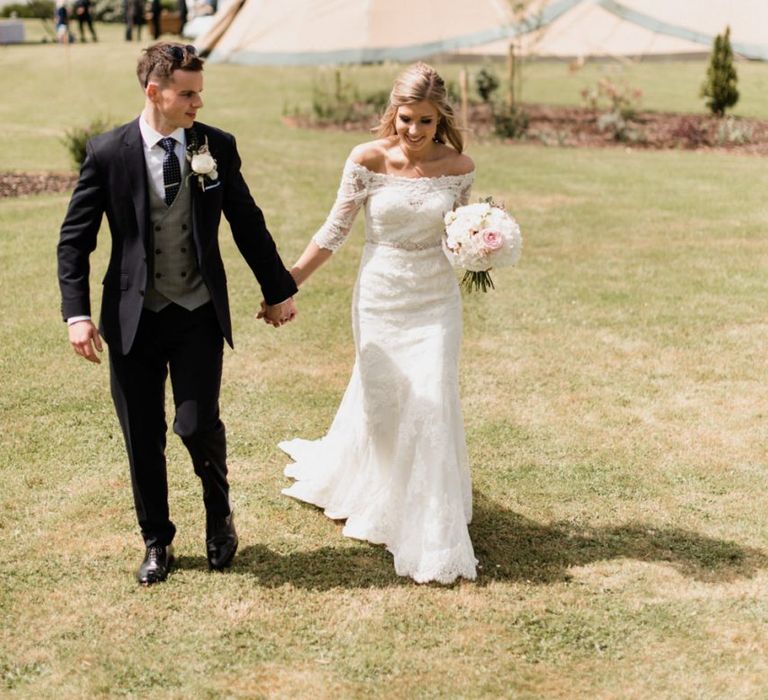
x,y
492,240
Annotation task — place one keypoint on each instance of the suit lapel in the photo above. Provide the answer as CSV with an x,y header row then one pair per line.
x,y
193,139
136,170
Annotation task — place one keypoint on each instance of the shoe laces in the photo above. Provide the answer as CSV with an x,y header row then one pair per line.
x,y
155,552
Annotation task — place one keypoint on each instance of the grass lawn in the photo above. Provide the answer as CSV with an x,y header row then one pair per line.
x,y
615,397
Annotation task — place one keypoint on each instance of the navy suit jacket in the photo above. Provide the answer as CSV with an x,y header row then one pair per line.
x,y
113,181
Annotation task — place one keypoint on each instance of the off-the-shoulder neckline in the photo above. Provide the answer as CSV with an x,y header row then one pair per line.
x,y
403,177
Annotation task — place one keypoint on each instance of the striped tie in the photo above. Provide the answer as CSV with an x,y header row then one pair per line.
x,y
171,170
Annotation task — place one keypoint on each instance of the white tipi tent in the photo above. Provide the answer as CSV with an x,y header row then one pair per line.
x,y
311,32
640,28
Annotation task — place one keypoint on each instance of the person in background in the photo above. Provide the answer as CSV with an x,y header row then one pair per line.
x,y
62,22
183,12
134,18
156,10
83,15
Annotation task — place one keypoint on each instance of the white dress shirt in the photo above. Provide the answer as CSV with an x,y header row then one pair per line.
x,y
154,154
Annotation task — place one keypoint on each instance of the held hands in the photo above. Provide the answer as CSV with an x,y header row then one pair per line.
x,y
85,340
278,314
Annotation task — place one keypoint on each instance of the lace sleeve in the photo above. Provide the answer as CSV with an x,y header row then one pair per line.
x,y
352,194
465,188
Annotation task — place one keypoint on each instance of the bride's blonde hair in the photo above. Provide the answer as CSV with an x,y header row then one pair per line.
x,y
419,83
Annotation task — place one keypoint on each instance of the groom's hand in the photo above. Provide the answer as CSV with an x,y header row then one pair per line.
x,y
278,314
85,340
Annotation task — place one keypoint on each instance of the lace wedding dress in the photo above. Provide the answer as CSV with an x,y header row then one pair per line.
x,y
394,462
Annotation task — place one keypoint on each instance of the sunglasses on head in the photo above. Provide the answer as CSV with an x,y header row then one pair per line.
x,y
176,54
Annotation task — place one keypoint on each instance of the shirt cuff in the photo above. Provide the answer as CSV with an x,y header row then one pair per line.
x,y
75,319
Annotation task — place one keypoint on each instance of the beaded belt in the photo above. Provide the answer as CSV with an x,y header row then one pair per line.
x,y
405,245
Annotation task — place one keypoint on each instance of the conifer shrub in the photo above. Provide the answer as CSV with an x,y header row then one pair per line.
x,y
720,85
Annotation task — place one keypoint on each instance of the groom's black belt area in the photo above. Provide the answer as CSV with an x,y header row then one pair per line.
x,y
173,321
173,308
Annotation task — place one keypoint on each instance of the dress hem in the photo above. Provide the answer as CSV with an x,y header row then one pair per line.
x,y
362,534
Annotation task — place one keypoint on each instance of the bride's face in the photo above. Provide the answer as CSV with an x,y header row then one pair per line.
x,y
416,126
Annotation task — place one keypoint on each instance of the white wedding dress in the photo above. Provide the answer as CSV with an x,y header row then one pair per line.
x,y
394,462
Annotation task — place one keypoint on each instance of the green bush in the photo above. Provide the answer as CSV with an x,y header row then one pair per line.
x,y
510,122
732,132
620,128
486,83
334,103
35,9
621,104
76,138
101,10
452,93
720,85
341,102
377,100
622,100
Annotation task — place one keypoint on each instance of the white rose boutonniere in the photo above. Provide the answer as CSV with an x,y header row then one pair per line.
x,y
202,164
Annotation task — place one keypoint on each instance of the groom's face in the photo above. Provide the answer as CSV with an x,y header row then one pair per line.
x,y
177,100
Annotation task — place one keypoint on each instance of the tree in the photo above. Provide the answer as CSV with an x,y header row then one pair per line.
x,y
720,86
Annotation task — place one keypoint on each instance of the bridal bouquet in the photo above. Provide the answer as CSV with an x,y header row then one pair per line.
x,y
479,237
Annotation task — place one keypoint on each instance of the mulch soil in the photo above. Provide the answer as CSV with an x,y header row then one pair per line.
x,y
581,127
553,126
15,184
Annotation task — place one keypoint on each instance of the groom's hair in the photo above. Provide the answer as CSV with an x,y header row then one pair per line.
x,y
161,59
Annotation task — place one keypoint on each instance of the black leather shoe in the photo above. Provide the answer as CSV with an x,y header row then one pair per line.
x,y
156,565
220,540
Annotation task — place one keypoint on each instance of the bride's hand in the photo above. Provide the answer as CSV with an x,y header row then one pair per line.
x,y
277,314
262,314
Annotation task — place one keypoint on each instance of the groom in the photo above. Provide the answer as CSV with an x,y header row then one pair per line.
x,y
164,180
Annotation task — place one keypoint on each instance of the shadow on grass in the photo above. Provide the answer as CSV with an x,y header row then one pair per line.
x,y
510,547
363,566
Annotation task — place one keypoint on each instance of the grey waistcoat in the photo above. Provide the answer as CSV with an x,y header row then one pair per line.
x,y
175,275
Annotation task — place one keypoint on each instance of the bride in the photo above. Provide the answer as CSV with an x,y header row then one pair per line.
x,y
394,462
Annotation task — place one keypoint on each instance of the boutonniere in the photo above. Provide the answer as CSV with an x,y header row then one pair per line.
x,y
201,163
